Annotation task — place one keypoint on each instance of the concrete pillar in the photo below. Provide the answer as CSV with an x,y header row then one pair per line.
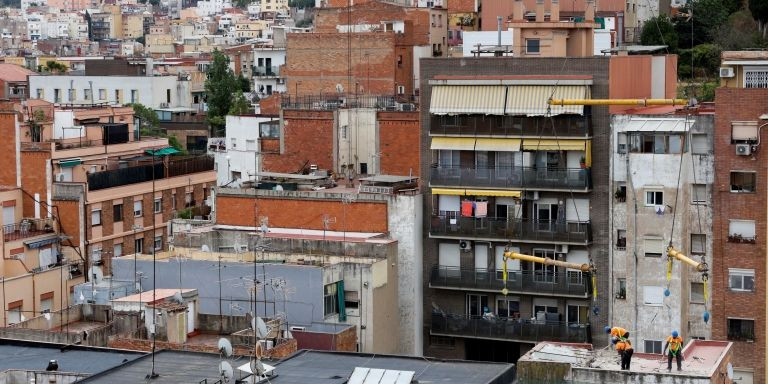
x,y
539,11
554,11
589,13
518,11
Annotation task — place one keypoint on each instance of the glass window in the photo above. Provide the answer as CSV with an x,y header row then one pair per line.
x,y
159,205
743,182
532,46
654,142
448,158
117,250
159,243
578,314
137,209
699,144
621,288
330,300
741,230
653,346
741,329
698,243
756,78
117,213
742,280
96,217
653,198
698,193
508,307
653,295
697,292
138,246
653,246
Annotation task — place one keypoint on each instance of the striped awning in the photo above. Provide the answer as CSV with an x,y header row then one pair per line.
x,y
475,192
531,100
555,145
498,145
473,144
467,99
453,143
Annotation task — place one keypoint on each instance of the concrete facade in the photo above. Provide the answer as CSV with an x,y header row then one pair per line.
x,y
641,225
241,157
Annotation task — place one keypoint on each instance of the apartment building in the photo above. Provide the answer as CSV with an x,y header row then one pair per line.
x,y
505,170
238,155
738,287
661,177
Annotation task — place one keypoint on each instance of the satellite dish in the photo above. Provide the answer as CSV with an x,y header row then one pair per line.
x,y
205,248
339,88
96,274
226,371
225,348
257,368
259,352
177,297
729,368
261,328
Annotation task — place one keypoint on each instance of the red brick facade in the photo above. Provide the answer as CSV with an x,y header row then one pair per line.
x,y
734,104
8,147
34,181
308,139
301,213
399,142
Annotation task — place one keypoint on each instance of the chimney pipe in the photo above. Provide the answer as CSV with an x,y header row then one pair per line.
x,y
554,11
498,19
539,11
589,12
518,10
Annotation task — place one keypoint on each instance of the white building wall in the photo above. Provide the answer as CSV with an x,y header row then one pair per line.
x,y
242,149
262,84
356,132
640,172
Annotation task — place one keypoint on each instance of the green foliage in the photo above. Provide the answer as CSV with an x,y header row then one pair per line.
x,y
218,89
649,34
759,9
185,214
53,66
241,3
141,40
240,105
174,142
301,4
740,32
304,23
150,123
245,84
154,3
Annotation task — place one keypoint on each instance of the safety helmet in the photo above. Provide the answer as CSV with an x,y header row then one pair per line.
x,y
614,340
607,329
674,334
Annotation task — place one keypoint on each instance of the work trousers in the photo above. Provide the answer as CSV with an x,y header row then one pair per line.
x,y
677,356
626,358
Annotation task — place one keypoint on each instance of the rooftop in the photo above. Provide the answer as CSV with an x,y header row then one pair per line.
x,y
147,296
28,355
14,73
744,55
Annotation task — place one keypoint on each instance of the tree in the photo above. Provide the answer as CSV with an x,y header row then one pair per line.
x,y
301,4
53,66
242,3
245,84
740,32
150,123
174,142
240,105
218,89
759,9
649,35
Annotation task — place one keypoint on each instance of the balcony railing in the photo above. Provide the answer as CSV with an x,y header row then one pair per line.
x,y
266,71
27,228
560,283
508,329
578,232
480,125
512,177
333,101
144,173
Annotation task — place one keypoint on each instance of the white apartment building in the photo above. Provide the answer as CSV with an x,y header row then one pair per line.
x,y
237,156
211,7
267,78
649,152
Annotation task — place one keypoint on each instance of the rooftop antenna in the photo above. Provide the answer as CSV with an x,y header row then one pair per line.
x,y
327,221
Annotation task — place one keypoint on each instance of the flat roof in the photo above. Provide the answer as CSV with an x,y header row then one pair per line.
x,y
388,179
325,367
176,109
159,294
278,175
636,48
31,355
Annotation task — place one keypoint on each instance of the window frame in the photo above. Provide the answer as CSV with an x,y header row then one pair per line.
x,y
646,248
742,274
695,199
742,173
654,344
655,192
96,217
694,148
528,47
160,239
703,251
697,300
158,202
140,211
729,334
117,213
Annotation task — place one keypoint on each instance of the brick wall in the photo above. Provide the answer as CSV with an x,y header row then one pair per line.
x,y
33,179
302,213
460,6
739,105
270,105
326,19
69,217
399,142
308,139
8,148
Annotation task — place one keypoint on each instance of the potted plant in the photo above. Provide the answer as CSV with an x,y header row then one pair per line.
x,y
620,194
583,163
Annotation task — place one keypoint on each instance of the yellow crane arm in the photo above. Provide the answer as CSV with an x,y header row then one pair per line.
x,y
544,260
673,253
635,102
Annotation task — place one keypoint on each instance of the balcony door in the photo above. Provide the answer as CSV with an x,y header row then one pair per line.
x,y
9,215
544,273
481,258
577,314
476,304
482,165
504,166
448,163
545,215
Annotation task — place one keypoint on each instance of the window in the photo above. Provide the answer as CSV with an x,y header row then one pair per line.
x,y
741,280
330,299
743,131
654,198
448,158
270,129
117,213
188,201
653,346
476,304
233,143
653,246
741,329
40,93
118,96
159,205
697,292
134,96
168,96
138,246
14,312
741,231
621,288
578,314
532,46
344,132
698,243
508,307
743,181
756,78
401,90
653,295
87,94
159,243
621,239
621,143
137,212
57,95
250,145
117,250
698,193
621,193
96,217
102,94
655,142
699,144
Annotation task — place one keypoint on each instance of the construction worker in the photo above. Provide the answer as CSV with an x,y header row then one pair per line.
x,y
675,345
617,333
624,348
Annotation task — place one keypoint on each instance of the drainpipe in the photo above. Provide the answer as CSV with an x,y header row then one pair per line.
x,y
498,20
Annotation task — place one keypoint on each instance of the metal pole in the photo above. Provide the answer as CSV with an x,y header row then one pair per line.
x,y
153,375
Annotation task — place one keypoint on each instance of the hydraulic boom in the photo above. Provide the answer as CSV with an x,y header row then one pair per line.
x,y
543,260
699,266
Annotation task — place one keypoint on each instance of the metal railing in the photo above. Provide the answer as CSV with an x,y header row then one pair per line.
x,y
560,282
508,329
27,228
272,71
144,173
512,229
512,177
329,102
479,125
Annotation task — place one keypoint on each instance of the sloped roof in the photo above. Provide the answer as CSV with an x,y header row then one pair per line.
x,y
13,72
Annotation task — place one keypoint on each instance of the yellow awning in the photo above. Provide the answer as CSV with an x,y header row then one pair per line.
x,y
498,145
531,100
453,143
467,99
555,145
475,192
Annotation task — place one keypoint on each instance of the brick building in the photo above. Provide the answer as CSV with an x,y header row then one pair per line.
x,y
739,268
372,48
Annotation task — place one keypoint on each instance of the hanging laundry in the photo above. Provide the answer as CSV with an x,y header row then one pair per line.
x,y
466,208
481,209
660,210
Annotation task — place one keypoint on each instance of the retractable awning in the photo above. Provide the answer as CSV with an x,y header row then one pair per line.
x,y
475,192
555,145
531,100
162,151
453,143
498,145
33,244
467,99
68,163
473,144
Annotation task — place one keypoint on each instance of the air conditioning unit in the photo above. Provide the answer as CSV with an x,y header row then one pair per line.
x,y
59,177
726,72
465,245
743,149
297,328
266,344
561,248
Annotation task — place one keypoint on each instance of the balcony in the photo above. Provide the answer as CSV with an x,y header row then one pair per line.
x,y
485,125
571,179
573,283
520,230
273,71
533,331
143,173
27,228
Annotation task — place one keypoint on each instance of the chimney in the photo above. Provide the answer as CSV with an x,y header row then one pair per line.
x,y
539,11
554,11
589,13
498,20
518,10
150,66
